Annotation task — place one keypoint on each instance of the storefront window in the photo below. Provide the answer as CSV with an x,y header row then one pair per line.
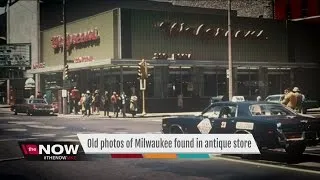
x,y
180,83
210,85
278,81
247,82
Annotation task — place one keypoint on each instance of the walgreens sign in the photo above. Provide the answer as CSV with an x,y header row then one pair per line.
x,y
75,39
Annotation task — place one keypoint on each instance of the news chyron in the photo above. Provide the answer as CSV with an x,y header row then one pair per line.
x,y
52,151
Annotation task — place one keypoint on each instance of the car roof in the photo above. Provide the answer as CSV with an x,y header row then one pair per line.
x,y
245,102
275,95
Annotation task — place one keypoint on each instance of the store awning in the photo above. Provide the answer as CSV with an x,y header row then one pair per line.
x,y
221,64
73,67
30,83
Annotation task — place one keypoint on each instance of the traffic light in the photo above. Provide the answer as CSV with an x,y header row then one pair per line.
x,y
66,72
146,70
141,70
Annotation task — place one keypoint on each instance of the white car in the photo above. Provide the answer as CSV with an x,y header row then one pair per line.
x,y
274,98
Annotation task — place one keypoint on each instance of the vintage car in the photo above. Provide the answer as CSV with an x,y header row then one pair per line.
x,y
307,103
32,106
271,124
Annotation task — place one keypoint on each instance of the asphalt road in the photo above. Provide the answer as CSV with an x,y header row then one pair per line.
x,y
21,127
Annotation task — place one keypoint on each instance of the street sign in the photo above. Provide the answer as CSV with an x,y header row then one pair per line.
x,y
15,55
64,93
142,84
205,126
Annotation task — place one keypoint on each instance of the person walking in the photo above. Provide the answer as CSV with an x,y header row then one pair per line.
x,y
105,103
133,104
88,103
118,105
83,104
124,104
96,102
114,100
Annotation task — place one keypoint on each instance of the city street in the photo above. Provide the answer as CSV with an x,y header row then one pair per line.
x,y
64,128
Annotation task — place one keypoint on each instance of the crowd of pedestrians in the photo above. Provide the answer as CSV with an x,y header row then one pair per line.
x,y
111,104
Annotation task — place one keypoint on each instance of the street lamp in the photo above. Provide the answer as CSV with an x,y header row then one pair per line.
x,y
230,53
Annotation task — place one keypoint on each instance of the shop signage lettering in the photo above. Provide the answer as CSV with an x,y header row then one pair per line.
x,y
83,59
207,31
38,65
75,39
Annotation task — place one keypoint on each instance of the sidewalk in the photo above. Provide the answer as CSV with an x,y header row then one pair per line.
x,y
148,115
4,106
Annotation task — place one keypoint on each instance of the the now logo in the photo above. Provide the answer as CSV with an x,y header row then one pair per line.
x,y
58,149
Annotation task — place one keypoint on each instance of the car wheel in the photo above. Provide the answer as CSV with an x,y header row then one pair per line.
x,y
295,149
304,111
176,130
28,113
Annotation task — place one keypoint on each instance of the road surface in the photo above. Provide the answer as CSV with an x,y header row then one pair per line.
x,y
272,165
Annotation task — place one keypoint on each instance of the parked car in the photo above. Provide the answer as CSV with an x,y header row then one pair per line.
x,y
32,106
306,104
272,124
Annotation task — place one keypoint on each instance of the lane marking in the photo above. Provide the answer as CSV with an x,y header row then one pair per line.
x,y
66,139
71,136
119,132
313,154
17,139
43,135
11,159
267,165
23,122
46,127
16,129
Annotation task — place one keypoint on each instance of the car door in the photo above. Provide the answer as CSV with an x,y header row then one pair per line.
x,y
226,122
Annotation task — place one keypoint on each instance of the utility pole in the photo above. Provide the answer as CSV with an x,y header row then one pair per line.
x,y
64,91
230,53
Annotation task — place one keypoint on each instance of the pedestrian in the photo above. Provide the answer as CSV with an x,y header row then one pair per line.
x,y
88,103
290,99
75,98
96,101
300,99
133,104
39,95
114,100
83,104
257,94
124,103
119,105
105,103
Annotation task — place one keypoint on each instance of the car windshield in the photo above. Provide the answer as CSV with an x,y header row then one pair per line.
x,y
270,110
38,101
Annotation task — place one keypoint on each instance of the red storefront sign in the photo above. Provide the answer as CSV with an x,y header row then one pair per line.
x,y
38,65
83,59
280,9
75,39
296,9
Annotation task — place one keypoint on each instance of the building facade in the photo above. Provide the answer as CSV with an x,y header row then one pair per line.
x,y
104,51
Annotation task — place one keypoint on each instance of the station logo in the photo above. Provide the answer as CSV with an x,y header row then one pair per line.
x,y
51,151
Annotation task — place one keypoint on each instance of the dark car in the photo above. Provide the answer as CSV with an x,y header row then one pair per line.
x,y
271,124
32,106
